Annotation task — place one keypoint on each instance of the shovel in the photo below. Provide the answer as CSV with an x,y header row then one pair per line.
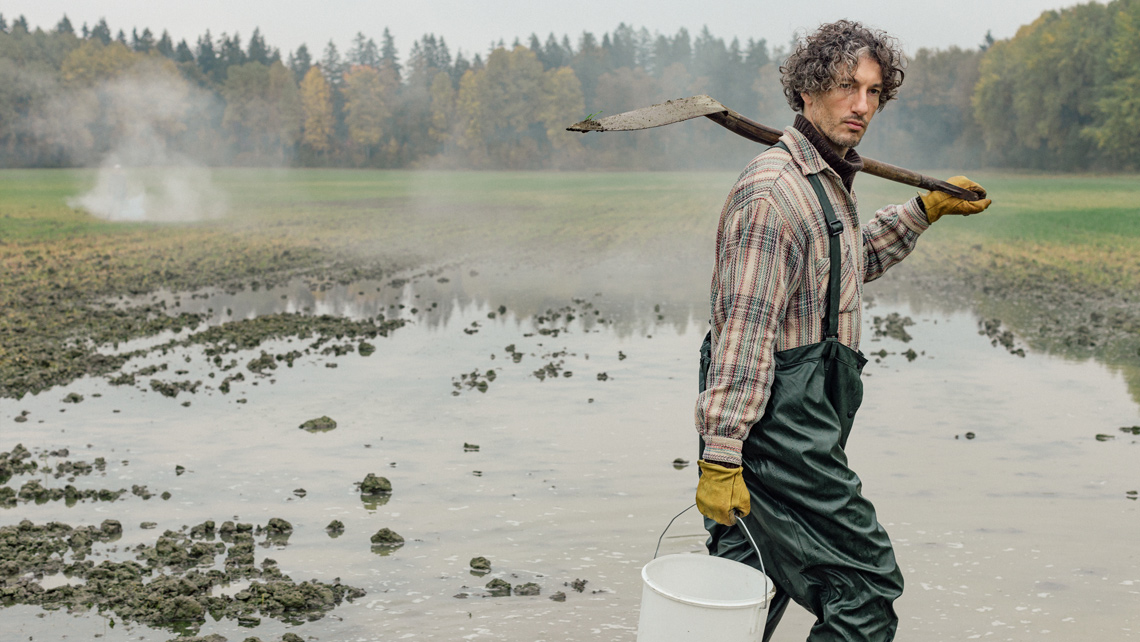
x,y
675,111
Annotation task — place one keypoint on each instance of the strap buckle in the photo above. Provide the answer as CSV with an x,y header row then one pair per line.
x,y
835,227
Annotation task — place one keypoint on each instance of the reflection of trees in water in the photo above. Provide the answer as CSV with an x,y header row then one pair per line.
x,y
629,297
1050,315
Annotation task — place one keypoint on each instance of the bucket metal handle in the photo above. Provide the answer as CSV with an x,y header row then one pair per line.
x,y
740,523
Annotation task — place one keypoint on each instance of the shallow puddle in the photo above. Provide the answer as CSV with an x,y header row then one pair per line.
x,y
1024,530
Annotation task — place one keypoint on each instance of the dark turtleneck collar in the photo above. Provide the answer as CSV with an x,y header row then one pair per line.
x,y
845,167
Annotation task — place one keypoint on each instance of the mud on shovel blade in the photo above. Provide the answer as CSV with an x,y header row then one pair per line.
x,y
666,113
682,109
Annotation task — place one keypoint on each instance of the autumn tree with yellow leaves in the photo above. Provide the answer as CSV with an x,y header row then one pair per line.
x,y
366,100
512,112
317,111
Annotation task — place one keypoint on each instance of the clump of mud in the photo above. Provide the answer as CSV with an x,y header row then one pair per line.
x,y
474,380
893,325
19,461
375,485
321,424
498,587
554,367
992,329
169,584
386,540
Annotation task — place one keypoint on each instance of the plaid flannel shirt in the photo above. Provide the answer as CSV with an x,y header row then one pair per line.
x,y
770,281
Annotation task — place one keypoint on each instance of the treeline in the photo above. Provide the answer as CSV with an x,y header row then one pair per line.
x,y
1064,93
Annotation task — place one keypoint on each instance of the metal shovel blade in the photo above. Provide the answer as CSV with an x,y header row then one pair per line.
x,y
666,113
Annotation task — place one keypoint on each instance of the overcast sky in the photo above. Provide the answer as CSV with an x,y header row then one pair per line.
x,y
471,25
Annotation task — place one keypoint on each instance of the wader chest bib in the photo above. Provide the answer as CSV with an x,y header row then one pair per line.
x,y
822,544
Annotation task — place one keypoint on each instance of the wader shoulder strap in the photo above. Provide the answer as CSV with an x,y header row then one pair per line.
x,y
834,229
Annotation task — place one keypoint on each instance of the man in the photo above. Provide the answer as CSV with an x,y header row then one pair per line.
x,y
780,368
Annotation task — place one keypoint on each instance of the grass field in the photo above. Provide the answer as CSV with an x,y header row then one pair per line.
x,y
1045,234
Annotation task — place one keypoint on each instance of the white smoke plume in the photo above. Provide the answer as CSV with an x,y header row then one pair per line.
x,y
144,177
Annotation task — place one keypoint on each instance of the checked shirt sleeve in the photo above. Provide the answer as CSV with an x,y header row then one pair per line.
x,y
758,260
890,237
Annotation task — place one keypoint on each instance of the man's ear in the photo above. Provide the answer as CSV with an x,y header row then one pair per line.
x,y
807,101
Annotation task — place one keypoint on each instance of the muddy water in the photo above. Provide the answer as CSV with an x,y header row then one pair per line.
x,y
1023,531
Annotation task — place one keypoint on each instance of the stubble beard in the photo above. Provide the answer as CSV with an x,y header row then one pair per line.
x,y
833,131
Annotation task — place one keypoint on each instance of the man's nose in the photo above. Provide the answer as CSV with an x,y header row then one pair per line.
x,y
862,102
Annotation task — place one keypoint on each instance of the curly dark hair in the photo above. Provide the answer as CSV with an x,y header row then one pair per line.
x,y
831,54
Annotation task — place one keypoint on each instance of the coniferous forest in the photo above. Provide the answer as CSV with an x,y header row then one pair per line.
x,y
1062,94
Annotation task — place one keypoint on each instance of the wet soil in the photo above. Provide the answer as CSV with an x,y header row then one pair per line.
x,y
564,482
561,425
1023,303
169,584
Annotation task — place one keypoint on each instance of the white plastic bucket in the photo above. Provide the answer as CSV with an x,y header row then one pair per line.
x,y
689,597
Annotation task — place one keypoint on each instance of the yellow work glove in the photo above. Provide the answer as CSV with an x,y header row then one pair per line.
x,y
720,492
938,204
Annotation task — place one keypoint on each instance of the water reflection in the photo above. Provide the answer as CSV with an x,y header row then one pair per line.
x,y
628,295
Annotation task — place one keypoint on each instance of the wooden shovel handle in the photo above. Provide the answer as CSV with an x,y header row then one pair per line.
x,y
754,131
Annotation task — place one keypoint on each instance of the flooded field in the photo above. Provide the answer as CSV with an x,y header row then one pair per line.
x,y
525,386
1006,482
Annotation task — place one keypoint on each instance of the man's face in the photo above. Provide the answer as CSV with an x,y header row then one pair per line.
x,y
843,112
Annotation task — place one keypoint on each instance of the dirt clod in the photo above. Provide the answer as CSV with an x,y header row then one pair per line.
x,y
893,326
499,587
320,424
386,538
374,485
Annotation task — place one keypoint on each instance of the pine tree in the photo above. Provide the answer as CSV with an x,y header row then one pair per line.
x,y
183,53
459,68
207,56
623,48
535,45
102,32
331,65
230,53
553,54
388,55
143,43
257,52
165,45
363,52
299,62
64,26
756,53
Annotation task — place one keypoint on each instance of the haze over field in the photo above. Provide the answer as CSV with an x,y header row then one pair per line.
x,y
1058,95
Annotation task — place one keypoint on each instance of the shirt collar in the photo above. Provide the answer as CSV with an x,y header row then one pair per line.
x,y
816,155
